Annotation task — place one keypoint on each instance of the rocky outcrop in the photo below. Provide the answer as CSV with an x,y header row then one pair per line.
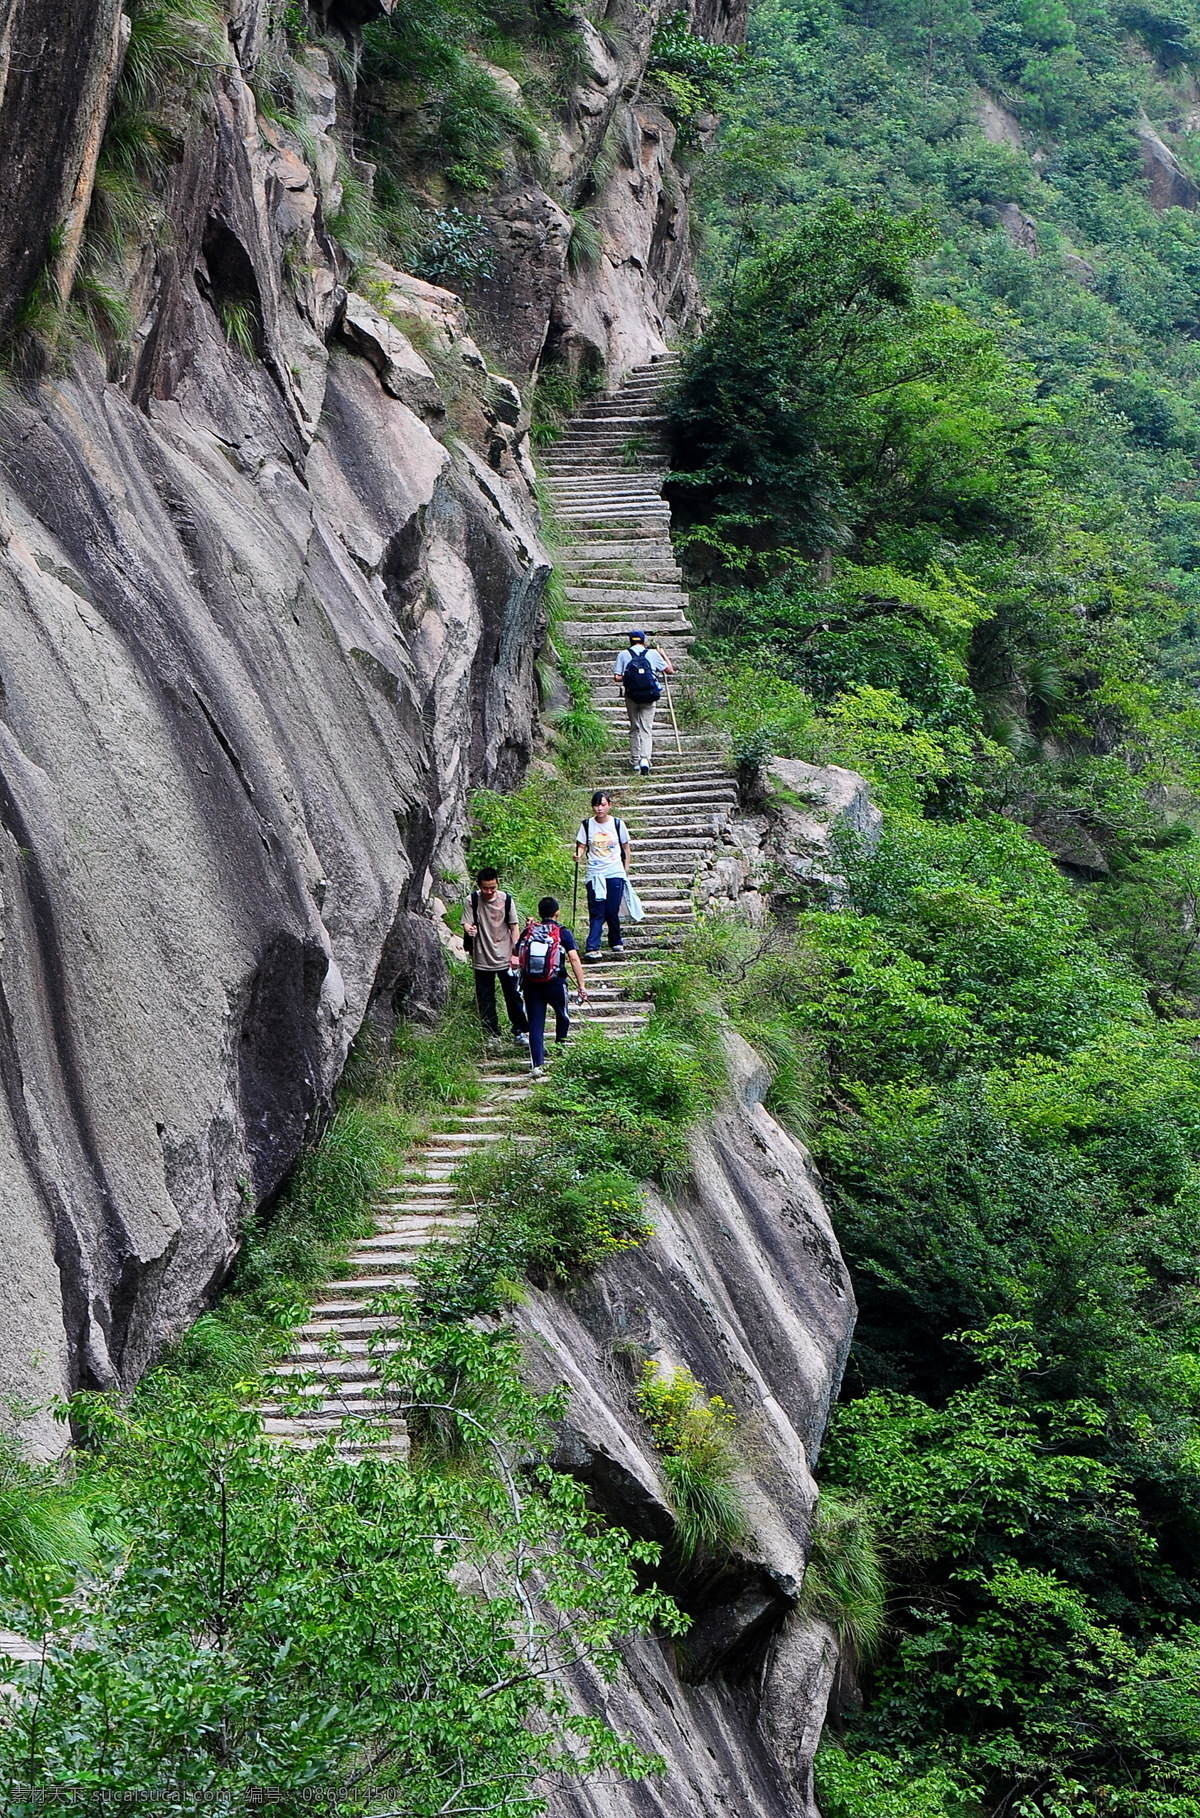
x,y
789,849
1020,228
1167,183
613,300
58,59
997,125
263,622
743,1284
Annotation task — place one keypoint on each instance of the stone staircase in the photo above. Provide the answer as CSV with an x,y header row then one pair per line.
x,y
605,480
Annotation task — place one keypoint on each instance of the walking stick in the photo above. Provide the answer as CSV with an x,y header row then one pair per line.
x,y
575,894
674,721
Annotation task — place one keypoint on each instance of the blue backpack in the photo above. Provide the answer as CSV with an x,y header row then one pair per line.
x,y
641,683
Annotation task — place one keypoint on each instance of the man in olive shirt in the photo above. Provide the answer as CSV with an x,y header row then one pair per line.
x,y
491,928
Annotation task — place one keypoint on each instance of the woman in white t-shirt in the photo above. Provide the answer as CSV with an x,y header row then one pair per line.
x,y
603,841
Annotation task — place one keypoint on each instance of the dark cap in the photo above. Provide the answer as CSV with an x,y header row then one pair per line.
x,y
637,637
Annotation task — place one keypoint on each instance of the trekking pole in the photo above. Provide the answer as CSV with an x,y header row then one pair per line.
x,y
674,721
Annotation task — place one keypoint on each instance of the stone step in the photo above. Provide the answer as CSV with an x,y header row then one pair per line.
x,y
352,1348
360,1325
612,443
366,1400
631,585
653,516
333,1312
406,1224
357,1370
618,427
370,1285
607,480
387,1440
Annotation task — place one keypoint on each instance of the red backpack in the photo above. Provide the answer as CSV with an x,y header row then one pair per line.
x,y
539,951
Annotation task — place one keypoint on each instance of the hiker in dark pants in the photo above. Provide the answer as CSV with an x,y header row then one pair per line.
x,y
603,840
542,959
491,928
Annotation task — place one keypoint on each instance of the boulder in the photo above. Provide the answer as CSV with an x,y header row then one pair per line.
x,y
1168,184
1020,228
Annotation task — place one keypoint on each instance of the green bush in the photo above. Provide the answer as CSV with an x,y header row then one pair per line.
x,y
528,836
268,1615
543,1211
568,1190
695,1432
693,76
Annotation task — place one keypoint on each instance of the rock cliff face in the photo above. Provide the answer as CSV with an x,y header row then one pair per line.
x,y
743,1285
270,603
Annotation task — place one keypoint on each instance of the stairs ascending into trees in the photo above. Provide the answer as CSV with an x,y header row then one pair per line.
x,y
605,477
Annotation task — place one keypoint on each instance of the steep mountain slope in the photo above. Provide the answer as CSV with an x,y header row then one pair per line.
x,y
271,591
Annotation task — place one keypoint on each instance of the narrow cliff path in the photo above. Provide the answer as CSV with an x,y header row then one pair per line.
x,y
605,479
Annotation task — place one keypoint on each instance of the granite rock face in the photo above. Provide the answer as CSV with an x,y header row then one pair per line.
x,y
616,305
260,630
789,847
1167,183
742,1284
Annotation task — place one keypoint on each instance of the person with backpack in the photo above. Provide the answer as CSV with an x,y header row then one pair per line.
x,y
603,840
491,929
541,958
638,669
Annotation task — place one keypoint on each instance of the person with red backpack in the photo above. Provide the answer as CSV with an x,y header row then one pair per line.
x,y
637,670
541,959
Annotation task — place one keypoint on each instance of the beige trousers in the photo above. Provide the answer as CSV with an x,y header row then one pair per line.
x,y
641,730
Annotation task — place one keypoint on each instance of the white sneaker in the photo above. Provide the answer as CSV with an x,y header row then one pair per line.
x,y
523,1040
537,1072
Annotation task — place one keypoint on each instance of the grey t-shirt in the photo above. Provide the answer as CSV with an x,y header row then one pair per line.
x,y
657,661
494,941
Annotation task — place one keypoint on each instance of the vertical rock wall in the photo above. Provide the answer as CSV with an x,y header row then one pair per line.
x,y
614,157
263,622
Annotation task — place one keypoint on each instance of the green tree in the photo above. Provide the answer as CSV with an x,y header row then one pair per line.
x,y
298,1619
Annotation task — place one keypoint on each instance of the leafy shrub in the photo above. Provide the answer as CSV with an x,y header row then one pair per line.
x,y
653,1074
874,1785
262,1614
694,76
612,1114
543,1210
454,249
695,1433
527,836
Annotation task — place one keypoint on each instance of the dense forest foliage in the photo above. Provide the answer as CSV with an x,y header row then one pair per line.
x,y
938,456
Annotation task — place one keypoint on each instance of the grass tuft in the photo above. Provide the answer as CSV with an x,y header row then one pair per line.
x,y
695,1432
844,1583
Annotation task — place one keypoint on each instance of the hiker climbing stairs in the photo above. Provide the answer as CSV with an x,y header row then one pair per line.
x,y
606,478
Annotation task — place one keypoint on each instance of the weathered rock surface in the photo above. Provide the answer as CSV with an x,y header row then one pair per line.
x,y
260,630
617,307
997,125
57,60
1020,228
1168,184
791,845
742,1283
